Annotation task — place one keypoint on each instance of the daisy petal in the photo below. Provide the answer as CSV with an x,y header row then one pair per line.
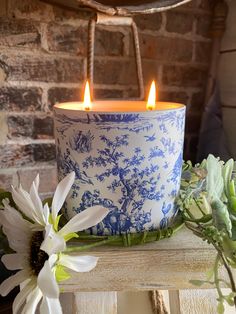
x,y
50,306
78,263
61,192
46,212
47,282
15,261
13,281
22,295
32,301
14,217
38,206
24,203
53,243
84,220
36,182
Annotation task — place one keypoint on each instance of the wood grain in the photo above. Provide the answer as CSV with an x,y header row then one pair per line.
x,y
94,303
168,264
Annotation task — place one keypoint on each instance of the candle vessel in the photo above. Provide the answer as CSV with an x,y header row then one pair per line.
x,y
125,158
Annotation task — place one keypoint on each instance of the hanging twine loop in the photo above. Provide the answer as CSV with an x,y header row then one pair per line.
x,y
106,20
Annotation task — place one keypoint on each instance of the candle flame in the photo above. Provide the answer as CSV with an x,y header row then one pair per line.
x,y
151,104
87,104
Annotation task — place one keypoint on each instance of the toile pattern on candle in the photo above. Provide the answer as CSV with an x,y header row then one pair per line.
x,y
127,161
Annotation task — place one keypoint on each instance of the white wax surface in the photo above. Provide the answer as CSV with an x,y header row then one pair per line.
x,y
118,106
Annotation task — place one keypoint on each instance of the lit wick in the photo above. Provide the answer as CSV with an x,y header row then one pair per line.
x,y
151,103
87,104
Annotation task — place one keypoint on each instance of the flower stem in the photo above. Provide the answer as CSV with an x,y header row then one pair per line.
x,y
231,278
220,255
76,248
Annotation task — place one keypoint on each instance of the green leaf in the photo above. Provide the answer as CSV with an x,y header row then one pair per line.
x,y
233,236
215,182
220,308
210,273
56,222
70,236
61,274
227,175
233,203
229,299
197,283
232,188
5,194
221,218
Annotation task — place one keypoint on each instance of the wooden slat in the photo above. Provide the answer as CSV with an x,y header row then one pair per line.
x,y
174,302
95,302
198,301
168,264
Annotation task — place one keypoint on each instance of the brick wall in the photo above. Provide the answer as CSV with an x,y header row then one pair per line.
x,y
43,61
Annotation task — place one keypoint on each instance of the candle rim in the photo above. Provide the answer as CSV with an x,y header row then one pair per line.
x,y
142,104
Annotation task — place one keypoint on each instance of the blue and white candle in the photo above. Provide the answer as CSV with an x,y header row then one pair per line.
x,y
127,157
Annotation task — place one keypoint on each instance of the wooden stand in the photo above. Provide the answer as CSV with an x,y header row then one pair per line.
x,y
165,265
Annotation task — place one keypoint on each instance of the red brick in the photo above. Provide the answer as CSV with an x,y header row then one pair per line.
x,y
121,72
150,71
73,39
206,5
20,99
43,128
204,26
43,68
3,7
180,23
47,175
67,38
131,93
108,94
32,9
179,97
203,52
166,48
64,15
149,22
197,102
109,43
4,71
15,155
6,180
19,126
23,33
44,152
184,76
58,95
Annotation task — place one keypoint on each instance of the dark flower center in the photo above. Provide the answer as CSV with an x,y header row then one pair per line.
x,y
37,256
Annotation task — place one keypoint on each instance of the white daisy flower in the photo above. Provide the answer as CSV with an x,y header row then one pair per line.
x,y
39,246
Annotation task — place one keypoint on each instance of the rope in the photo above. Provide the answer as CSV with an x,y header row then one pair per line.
x,y
138,60
90,55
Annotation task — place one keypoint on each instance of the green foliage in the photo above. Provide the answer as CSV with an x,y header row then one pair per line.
x,y
208,202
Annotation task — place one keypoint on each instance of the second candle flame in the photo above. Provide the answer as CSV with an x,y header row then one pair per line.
x,y
151,103
87,104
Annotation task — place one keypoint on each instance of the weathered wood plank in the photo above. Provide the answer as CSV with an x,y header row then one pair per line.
x,y
168,264
95,302
174,302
